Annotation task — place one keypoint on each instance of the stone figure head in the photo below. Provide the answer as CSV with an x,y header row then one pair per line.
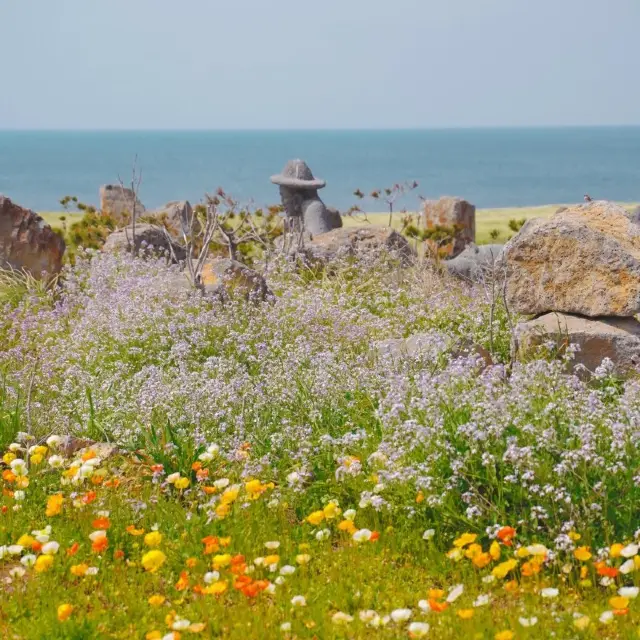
x,y
297,184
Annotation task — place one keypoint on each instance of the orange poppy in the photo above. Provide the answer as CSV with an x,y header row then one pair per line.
x,y
436,606
506,535
183,582
73,549
101,523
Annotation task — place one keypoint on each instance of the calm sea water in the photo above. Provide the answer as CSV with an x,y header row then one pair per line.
x,y
490,167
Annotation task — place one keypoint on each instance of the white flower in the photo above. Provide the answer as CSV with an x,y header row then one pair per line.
x,y
223,483
17,572
549,592
19,496
213,449
350,514
211,576
628,552
287,570
455,593
293,478
97,535
14,446
102,514
92,571
15,549
362,535
628,566
53,442
271,588
481,600
423,605
50,548
418,629
606,581
323,534
367,615
205,457
489,579
537,550
280,580
299,601
606,617
341,618
625,592
56,461
29,560
285,626
85,471
19,467
274,544
428,534
180,624
258,562
528,622
401,615
171,478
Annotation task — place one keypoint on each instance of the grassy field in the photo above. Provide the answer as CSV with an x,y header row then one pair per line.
x,y
487,220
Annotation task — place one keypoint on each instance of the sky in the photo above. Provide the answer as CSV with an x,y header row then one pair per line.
x,y
296,64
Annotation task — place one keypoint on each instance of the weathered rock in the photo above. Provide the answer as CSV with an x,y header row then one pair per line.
x,y
450,212
149,238
615,338
475,263
231,278
175,215
360,242
119,202
334,217
583,260
27,242
635,215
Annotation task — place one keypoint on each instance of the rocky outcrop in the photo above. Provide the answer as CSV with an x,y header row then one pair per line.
x,y
27,242
149,239
361,242
230,278
452,212
174,216
119,201
475,263
584,260
615,338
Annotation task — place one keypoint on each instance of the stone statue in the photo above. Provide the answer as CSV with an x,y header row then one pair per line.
x,y
299,193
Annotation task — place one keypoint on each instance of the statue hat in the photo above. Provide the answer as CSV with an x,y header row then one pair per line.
x,y
297,175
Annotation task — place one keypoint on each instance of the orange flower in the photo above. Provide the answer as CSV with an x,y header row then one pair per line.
x,y
420,497
118,554
481,560
196,466
242,581
89,455
89,497
36,546
375,535
101,523
157,468
201,474
73,549
100,544
191,563
506,535
96,479
131,529
604,570
436,606
209,490
115,483
251,590
620,612
54,505
530,569
211,544
8,475
183,582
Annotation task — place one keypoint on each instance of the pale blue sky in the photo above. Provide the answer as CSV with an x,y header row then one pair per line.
x,y
327,64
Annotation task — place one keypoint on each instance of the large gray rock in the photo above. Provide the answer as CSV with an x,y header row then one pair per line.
x,y
452,212
230,278
175,216
362,242
583,260
615,338
476,263
119,201
149,239
27,242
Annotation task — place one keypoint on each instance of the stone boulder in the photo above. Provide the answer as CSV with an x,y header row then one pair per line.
x,y
475,263
118,202
450,212
27,242
334,217
583,260
230,278
174,215
362,242
615,338
149,239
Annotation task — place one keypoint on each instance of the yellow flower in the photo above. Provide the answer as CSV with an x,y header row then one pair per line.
x,y
153,560
154,635
618,602
64,611
494,550
54,505
216,588
255,489
41,450
272,559
36,458
43,563
465,539
22,482
315,518
504,568
504,635
79,569
331,511
182,483
222,510
582,623
615,550
153,539
523,552
303,558
348,526
574,536
455,554
8,457
582,553
156,600
465,614
419,497
221,560
230,495
472,551
196,627
481,560
26,540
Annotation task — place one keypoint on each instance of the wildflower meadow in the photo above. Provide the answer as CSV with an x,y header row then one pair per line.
x,y
176,467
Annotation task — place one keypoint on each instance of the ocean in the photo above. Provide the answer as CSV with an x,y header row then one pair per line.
x,y
489,167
